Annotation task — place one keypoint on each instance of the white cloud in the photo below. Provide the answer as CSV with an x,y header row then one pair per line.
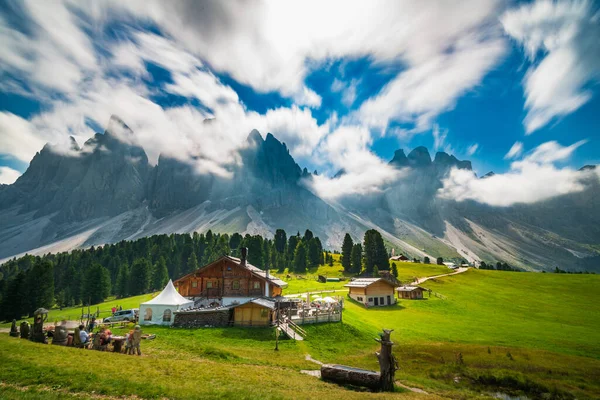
x,y
17,137
425,90
566,35
532,179
515,151
472,149
348,90
347,148
8,175
439,137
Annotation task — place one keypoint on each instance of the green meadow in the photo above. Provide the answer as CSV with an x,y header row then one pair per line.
x,y
491,332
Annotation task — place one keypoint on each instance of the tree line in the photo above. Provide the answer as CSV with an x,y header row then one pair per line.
x,y
129,268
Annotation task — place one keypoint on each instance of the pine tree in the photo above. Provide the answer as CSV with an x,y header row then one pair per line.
x,y
356,258
280,240
13,302
375,252
40,281
300,257
139,276
347,253
375,272
122,284
96,284
440,261
161,274
314,257
426,260
394,270
192,262
308,235
292,244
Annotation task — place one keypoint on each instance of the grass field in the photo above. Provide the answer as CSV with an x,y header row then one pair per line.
x,y
517,333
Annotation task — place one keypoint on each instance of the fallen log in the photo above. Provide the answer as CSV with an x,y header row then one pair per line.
x,y
344,375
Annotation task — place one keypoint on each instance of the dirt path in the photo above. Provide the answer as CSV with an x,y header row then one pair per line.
x,y
424,279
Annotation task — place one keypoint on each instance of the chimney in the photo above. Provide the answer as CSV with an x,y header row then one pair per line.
x,y
244,251
267,294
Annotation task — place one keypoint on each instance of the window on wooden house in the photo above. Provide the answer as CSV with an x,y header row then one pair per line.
x,y
167,315
256,285
235,285
209,285
194,284
263,312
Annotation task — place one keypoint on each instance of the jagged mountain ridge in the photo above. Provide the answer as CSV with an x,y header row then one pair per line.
x,y
107,191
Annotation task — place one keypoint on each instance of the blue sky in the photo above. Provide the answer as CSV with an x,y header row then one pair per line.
x,y
344,84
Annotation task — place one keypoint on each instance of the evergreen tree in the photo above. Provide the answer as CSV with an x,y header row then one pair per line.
x,y
356,258
96,284
426,260
292,244
139,276
394,270
347,253
161,274
122,284
255,250
314,256
439,261
300,258
40,280
375,252
13,302
320,250
192,262
375,272
280,240
235,242
308,235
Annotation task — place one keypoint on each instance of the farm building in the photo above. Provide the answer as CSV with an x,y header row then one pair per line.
x,y
372,291
410,292
401,257
226,281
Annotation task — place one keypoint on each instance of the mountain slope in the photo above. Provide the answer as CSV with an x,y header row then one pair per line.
x,y
107,191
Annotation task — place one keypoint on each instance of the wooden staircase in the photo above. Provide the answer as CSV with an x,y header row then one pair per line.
x,y
292,330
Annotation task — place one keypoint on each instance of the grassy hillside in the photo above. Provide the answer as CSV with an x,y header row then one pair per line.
x,y
517,333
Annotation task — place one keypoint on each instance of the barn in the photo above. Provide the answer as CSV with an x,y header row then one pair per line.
x,y
372,292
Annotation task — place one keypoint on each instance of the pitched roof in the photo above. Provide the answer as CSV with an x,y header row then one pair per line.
x,y
409,288
364,282
169,296
261,301
254,270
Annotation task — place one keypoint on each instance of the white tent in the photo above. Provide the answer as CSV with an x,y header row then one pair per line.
x,y
160,310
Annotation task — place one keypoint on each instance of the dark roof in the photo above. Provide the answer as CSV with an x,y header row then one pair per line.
x,y
254,270
409,288
261,301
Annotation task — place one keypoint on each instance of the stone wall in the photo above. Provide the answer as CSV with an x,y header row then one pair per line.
x,y
201,319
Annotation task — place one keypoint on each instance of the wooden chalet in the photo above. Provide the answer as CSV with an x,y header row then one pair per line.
x,y
228,280
410,292
372,291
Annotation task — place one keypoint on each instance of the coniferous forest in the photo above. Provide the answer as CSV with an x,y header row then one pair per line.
x,y
129,268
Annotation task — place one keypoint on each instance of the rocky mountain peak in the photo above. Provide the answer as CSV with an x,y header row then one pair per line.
x,y
419,157
399,159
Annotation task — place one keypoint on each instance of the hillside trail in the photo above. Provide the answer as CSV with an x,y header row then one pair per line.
x,y
426,278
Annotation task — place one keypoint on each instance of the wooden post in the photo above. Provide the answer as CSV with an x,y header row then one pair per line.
x,y
387,362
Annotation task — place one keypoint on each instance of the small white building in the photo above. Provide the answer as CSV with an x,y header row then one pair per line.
x,y
451,265
372,291
160,310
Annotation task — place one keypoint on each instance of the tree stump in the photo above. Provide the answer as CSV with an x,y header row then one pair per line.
x,y
387,362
